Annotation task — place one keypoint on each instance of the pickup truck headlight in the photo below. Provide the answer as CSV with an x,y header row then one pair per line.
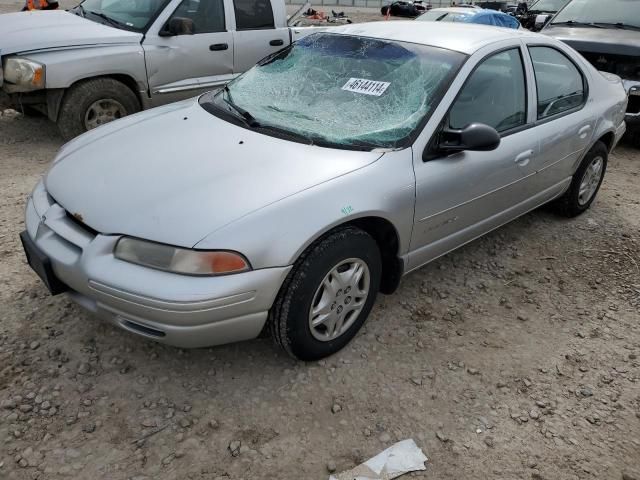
x,y
179,260
24,73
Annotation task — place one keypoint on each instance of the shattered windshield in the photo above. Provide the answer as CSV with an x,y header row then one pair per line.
x,y
614,12
342,90
134,15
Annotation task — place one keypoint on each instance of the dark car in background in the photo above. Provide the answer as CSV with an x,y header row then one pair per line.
x,y
405,9
538,15
500,6
607,34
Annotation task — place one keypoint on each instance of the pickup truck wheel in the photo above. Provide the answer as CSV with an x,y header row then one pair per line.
x,y
91,103
328,294
585,183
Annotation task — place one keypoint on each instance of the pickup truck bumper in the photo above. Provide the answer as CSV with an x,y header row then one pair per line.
x,y
633,109
45,101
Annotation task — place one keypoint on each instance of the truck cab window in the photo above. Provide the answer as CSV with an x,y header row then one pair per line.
x,y
207,15
253,14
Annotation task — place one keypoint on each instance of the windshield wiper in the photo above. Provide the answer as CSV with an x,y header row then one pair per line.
x,y
285,133
619,25
80,10
111,21
573,23
251,121
244,114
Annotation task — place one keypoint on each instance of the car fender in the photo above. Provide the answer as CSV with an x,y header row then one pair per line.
x,y
277,234
66,66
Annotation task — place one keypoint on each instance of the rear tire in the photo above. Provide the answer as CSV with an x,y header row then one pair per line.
x,y
322,304
585,184
94,102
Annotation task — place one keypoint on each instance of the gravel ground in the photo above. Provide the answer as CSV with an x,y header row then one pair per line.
x,y
515,357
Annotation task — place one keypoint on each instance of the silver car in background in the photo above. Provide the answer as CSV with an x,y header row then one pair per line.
x,y
320,177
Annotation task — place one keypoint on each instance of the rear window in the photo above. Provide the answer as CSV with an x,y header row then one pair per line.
x,y
559,83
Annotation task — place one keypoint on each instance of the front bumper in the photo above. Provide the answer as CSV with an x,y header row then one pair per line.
x,y
633,110
178,310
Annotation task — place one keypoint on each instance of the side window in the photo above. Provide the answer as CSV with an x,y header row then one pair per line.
x,y
559,83
495,94
207,16
253,14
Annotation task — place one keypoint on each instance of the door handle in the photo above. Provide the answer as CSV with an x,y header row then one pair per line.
x,y
524,158
218,46
276,43
582,133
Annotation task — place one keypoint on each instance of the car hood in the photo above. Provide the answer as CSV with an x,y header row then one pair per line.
x,y
39,30
177,173
598,40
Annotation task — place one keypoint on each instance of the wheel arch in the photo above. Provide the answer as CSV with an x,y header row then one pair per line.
x,y
54,102
387,238
608,138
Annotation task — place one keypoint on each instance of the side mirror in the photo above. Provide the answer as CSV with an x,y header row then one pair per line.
x,y
476,137
177,26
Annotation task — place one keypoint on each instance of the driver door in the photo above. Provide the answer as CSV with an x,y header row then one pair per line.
x,y
185,65
461,196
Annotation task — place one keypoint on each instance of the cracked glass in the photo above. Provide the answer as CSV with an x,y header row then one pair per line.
x,y
348,91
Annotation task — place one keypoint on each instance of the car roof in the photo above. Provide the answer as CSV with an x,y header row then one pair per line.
x,y
461,37
456,9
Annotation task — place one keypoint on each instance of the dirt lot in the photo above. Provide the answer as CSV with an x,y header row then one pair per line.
x,y
515,357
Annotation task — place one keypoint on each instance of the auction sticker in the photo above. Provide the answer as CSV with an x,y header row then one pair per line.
x,y
368,87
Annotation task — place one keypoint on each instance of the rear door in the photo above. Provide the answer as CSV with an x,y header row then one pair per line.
x,y
185,65
565,128
260,29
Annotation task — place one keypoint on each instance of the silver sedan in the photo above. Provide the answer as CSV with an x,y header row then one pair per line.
x,y
317,179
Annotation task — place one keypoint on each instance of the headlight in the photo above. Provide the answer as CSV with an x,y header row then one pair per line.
x,y
180,260
23,72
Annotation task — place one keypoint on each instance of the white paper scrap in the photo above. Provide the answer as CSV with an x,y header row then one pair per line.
x,y
398,459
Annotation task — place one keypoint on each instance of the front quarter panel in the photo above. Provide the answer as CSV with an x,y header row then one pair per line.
x,y
64,67
277,234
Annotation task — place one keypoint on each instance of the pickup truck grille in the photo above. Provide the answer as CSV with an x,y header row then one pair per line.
x,y
624,66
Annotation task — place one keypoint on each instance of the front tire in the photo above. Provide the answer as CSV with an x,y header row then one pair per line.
x,y
585,183
328,295
91,103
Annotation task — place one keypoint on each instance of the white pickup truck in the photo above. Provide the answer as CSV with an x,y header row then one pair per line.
x,y
105,59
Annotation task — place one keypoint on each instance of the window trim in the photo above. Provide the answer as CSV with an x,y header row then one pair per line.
x,y
585,84
152,20
224,18
510,131
238,29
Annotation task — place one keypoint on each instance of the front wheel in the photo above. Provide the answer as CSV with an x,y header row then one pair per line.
x,y
94,102
585,183
328,295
